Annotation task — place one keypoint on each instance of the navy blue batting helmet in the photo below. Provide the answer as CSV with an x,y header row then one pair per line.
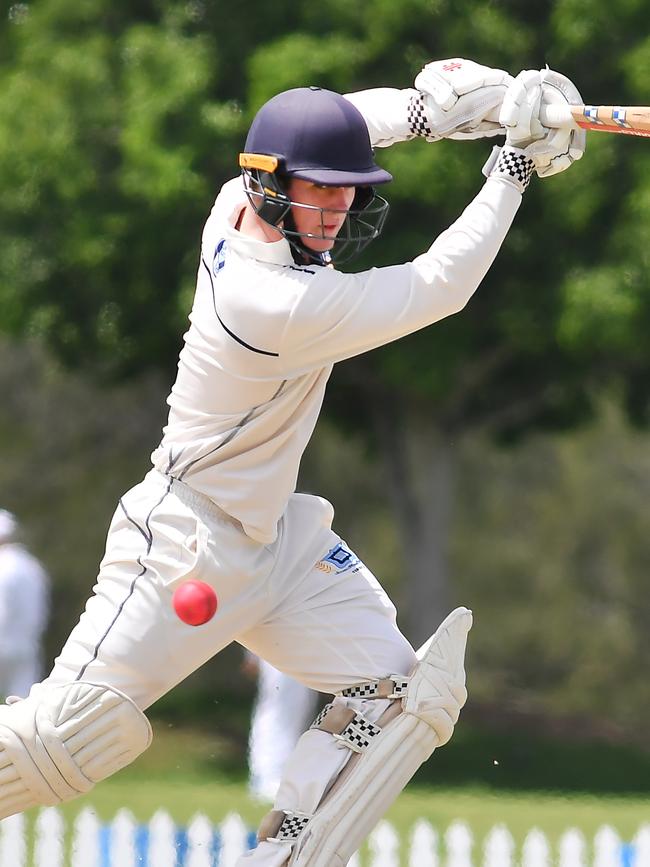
x,y
315,135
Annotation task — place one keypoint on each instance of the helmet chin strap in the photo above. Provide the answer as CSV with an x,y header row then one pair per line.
x,y
300,253
276,211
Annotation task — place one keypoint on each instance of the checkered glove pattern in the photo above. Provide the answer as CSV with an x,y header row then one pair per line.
x,y
417,119
510,163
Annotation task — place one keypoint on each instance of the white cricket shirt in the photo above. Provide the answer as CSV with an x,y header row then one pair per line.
x,y
265,333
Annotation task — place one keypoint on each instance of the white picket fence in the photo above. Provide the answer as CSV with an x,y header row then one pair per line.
x,y
161,843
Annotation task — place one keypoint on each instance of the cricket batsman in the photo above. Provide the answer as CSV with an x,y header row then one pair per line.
x,y
271,315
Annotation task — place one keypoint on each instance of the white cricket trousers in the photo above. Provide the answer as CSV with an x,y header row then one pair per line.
x,y
304,603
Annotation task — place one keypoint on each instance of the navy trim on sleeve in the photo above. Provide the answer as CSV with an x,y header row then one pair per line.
x,y
225,327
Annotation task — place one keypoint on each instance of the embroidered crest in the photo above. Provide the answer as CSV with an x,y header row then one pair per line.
x,y
219,259
338,559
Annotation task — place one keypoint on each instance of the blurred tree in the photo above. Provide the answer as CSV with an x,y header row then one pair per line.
x,y
59,431
551,542
107,134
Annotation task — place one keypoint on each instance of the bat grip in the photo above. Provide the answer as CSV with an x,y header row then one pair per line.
x,y
556,115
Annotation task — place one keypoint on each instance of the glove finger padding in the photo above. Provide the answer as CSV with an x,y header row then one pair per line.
x,y
570,143
459,97
520,109
552,154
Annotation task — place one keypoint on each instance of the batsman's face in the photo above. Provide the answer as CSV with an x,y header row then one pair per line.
x,y
319,212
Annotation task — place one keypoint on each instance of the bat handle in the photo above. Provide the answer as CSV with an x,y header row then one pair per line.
x,y
556,115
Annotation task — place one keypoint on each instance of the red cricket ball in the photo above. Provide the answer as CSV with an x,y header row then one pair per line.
x,y
195,602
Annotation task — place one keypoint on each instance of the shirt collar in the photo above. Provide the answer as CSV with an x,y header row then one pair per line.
x,y
273,253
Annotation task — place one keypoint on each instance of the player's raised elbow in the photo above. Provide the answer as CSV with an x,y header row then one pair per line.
x,y
459,298
446,292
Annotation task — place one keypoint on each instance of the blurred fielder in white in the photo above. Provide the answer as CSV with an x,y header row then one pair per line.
x,y
24,604
272,314
282,711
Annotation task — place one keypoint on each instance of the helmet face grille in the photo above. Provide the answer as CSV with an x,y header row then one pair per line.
x,y
363,222
361,226
267,196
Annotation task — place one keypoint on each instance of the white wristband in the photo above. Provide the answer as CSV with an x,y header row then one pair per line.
x,y
510,163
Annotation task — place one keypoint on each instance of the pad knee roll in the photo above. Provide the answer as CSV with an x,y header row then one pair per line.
x,y
59,742
436,692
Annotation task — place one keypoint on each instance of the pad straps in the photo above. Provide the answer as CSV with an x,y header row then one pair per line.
x,y
349,728
389,687
282,826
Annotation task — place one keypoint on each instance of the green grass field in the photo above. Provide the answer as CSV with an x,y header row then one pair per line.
x,y
186,771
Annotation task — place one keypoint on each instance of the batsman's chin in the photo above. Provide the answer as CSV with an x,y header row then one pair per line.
x,y
320,245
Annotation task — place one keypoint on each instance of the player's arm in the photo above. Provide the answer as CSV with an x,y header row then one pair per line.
x,y
454,98
341,315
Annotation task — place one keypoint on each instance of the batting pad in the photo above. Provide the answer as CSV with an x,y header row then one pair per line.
x,y
367,788
59,742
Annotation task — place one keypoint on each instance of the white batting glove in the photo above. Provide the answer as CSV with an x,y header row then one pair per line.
x,y
551,150
458,99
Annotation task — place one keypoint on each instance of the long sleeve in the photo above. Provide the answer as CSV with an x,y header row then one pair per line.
x,y
388,113
341,315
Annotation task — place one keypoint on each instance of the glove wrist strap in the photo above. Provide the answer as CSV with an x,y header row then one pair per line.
x,y
418,120
510,163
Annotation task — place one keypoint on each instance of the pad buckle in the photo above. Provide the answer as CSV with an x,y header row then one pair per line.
x,y
350,729
357,734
